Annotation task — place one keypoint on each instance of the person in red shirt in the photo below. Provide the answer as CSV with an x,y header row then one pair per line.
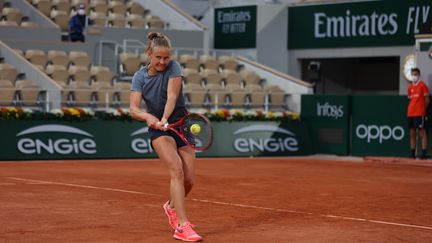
x,y
418,95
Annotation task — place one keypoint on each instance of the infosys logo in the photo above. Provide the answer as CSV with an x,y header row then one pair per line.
x,y
247,141
328,110
141,145
68,143
379,133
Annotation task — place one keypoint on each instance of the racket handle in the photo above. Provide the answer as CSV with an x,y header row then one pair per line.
x,y
166,125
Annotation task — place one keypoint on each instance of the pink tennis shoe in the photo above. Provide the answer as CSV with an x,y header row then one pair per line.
x,y
171,214
186,233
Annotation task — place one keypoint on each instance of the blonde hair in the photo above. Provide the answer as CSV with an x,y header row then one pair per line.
x,y
156,39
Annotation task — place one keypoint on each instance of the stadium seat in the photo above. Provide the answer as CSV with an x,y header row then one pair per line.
x,y
61,18
66,92
104,93
12,14
99,6
155,24
254,87
8,72
58,57
209,62
129,64
135,8
37,58
233,87
7,92
218,94
191,76
257,98
238,98
189,61
249,77
82,93
229,62
57,73
98,19
102,74
61,5
212,77
122,90
8,23
135,21
80,74
195,95
43,6
214,87
231,77
117,7
116,20
277,96
79,58
28,92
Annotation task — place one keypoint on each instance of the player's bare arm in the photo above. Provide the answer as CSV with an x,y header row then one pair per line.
x,y
174,87
137,113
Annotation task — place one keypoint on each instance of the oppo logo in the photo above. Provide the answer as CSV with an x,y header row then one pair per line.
x,y
380,133
245,144
140,145
328,110
75,145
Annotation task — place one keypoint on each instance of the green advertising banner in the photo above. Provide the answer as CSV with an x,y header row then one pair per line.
x,y
327,118
379,125
97,139
235,27
371,23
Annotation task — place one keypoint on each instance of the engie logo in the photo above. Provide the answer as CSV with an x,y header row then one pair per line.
x,y
250,142
141,145
72,145
380,133
328,110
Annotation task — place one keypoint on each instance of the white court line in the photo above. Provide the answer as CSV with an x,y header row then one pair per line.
x,y
232,204
82,186
7,184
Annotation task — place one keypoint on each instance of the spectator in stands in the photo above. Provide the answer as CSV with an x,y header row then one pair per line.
x,y
159,85
418,95
77,25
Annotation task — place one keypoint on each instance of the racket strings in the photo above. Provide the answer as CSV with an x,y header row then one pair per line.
x,y
203,139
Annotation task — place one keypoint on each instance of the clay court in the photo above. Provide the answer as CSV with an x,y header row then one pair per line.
x,y
234,200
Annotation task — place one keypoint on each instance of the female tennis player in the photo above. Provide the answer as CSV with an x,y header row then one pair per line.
x,y
159,84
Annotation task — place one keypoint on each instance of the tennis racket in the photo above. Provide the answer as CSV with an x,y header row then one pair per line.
x,y
195,130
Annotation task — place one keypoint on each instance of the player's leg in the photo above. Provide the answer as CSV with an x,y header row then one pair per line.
x,y
187,154
413,138
188,157
166,149
423,136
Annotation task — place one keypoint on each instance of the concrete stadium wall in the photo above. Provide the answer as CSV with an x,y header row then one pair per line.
x,y
272,36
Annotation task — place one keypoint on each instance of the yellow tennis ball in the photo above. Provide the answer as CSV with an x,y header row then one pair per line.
x,y
195,129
